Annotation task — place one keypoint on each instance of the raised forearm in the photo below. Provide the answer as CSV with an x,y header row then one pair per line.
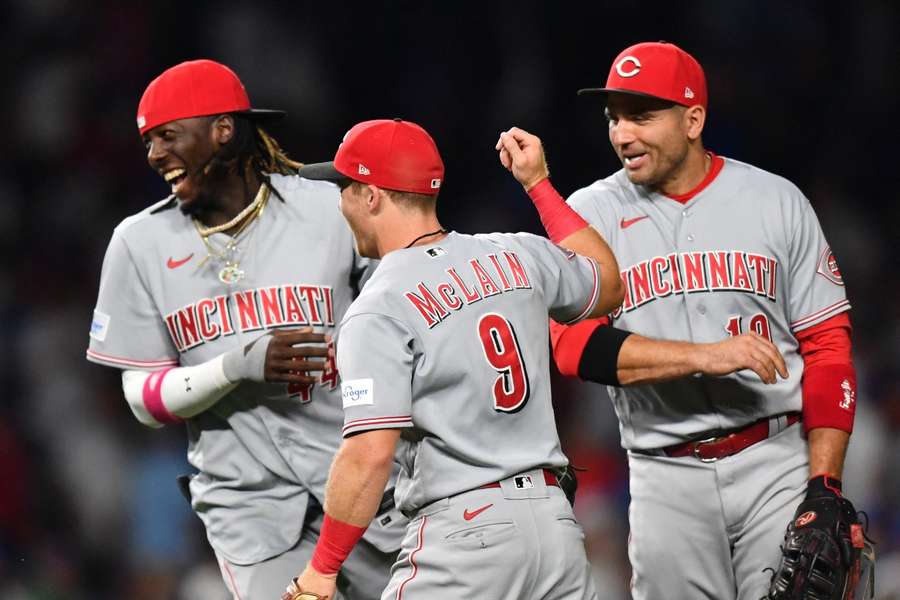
x,y
827,450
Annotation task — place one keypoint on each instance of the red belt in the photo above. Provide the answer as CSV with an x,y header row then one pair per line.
x,y
714,448
549,479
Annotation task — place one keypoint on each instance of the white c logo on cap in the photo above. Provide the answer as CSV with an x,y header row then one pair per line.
x,y
622,72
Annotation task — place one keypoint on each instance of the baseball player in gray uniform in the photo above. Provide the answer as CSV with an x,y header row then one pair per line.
x,y
445,354
219,303
730,260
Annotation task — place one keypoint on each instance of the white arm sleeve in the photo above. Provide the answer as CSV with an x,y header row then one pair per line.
x,y
184,391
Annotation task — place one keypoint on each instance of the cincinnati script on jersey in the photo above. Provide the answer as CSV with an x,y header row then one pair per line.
x,y
704,271
249,310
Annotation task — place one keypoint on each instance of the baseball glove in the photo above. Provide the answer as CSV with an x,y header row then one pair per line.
x,y
295,593
824,549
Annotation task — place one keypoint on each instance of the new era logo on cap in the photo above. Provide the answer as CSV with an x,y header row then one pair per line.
x,y
390,153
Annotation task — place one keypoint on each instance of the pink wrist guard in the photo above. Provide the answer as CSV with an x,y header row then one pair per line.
x,y
558,218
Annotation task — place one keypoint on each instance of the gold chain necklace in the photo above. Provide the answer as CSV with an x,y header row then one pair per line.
x,y
231,271
261,197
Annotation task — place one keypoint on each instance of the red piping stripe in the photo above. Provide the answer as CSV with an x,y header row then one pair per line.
x,y
412,558
592,301
234,589
378,421
163,362
820,313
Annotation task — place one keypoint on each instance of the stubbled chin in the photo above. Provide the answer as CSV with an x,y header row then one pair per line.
x,y
185,191
635,176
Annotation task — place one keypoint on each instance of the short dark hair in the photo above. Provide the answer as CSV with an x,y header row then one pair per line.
x,y
411,200
407,200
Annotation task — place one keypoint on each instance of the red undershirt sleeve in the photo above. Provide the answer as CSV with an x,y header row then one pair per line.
x,y
568,342
829,378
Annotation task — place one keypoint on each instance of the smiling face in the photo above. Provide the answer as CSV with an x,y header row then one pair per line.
x,y
650,136
180,151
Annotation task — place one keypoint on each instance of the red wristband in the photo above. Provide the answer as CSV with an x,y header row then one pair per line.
x,y
558,218
829,396
335,543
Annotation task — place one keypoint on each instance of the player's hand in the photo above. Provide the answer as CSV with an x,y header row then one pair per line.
x,y
311,585
523,155
295,353
745,351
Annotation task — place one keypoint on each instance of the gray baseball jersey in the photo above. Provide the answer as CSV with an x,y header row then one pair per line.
x,y
264,447
448,342
745,254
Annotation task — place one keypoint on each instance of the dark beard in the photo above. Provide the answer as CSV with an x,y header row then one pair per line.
x,y
199,205
213,172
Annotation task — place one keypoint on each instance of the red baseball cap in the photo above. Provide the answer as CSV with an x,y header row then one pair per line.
x,y
657,69
390,153
195,88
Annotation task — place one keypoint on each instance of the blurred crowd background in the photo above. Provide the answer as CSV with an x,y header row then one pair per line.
x,y
88,503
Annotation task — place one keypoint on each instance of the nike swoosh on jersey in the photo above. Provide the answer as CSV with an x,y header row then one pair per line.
x,y
626,223
468,516
174,264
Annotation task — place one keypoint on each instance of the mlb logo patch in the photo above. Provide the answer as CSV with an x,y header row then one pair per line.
x,y
435,252
523,482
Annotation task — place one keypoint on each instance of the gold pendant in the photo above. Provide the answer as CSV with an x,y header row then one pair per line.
x,y
230,274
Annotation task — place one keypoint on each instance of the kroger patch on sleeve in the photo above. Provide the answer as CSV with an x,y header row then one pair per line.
x,y
358,392
99,325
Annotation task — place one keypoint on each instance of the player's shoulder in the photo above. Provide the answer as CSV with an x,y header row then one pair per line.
x,y
295,188
402,270
160,214
308,200
609,192
760,182
513,241
379,295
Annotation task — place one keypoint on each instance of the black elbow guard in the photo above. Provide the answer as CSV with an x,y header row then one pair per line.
x,y
601,354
